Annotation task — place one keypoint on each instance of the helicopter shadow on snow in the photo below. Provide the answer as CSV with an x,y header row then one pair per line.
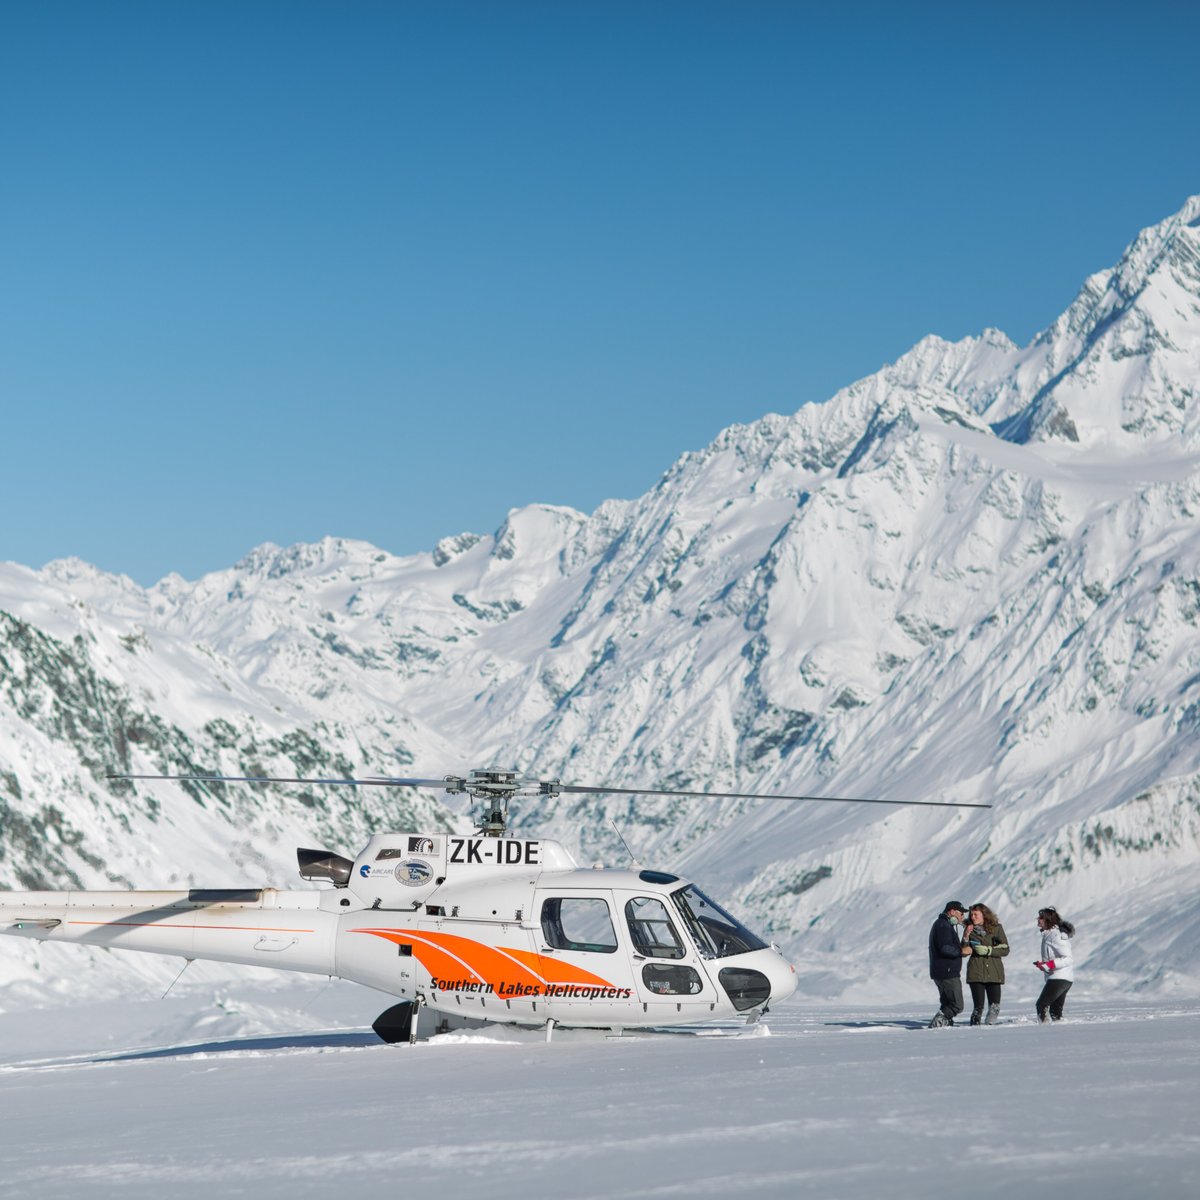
x,y
889,1023
343,1040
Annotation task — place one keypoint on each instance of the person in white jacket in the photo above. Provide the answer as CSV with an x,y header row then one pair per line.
x,y
1056,964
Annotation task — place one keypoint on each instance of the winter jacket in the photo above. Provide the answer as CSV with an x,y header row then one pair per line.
x,y
945,950
1056,949
985,962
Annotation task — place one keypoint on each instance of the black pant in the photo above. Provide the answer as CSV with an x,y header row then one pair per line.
x,y
1053,996
979,990
950,997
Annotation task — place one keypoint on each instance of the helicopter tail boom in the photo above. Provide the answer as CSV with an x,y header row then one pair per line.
x,y
259,927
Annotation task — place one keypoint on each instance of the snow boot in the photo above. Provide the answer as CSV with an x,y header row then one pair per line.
x,y
977,1016
939,1019
993,1014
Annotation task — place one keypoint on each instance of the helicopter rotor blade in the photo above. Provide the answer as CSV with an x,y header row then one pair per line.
x,y
378,781
456,784
576,788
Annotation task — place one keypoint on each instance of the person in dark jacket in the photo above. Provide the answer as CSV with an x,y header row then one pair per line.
x,y
945,963
984,944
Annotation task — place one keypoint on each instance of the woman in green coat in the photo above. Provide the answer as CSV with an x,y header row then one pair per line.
x,y
985,945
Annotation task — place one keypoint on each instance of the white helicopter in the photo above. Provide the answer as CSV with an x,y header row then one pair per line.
x,y
466,930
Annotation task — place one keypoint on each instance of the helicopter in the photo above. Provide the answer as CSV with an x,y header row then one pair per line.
x,y
464,930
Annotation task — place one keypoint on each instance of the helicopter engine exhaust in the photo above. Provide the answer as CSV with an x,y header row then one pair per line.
x,y
326,866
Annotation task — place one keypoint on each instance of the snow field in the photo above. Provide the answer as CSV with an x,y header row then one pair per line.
x,y
847,1102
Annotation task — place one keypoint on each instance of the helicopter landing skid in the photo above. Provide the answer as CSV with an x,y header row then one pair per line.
x,y
723,1030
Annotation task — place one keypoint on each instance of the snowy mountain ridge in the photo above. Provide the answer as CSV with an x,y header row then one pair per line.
x,y
974,575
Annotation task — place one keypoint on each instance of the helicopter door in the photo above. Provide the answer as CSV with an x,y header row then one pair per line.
x,y
586,974
670,978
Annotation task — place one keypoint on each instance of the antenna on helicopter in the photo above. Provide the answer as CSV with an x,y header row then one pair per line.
x,y
633,858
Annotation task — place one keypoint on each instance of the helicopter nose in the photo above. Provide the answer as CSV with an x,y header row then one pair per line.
x,y
759,981
783,979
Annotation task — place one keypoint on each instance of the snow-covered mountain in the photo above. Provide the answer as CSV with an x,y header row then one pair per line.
x,y
974,575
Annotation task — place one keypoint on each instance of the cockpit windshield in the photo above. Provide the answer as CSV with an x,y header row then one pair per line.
x,y
715,932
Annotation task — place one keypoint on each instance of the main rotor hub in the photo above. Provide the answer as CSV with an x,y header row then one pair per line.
x,y
495,786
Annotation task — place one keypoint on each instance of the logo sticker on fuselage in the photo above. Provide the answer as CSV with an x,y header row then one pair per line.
x,y
414,872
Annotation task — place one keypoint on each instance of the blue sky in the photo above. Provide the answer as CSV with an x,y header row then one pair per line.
x,y
276,270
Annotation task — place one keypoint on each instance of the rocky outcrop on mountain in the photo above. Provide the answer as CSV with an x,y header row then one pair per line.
x,y
973,576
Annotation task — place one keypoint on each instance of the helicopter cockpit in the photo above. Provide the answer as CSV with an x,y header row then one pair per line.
x,y
715,932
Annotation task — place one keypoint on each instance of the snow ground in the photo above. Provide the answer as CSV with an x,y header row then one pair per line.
x,y
270,1092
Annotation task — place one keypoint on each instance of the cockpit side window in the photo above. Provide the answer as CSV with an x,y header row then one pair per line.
x,y
580,923
651,930
714,931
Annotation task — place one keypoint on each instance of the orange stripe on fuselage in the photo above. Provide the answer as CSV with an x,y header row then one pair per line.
x,y
439,963
444,954
553,970
488,963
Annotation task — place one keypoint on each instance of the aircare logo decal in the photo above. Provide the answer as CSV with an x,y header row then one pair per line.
x,y
458,964
412,872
